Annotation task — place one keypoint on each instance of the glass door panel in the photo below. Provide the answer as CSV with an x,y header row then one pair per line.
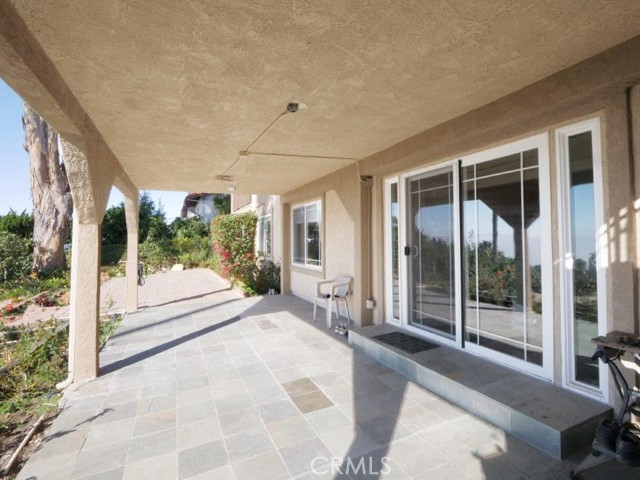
x,y
431,252
502,252
583,247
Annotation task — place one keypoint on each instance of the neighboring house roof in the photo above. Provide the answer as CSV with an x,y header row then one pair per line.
x,y
191,200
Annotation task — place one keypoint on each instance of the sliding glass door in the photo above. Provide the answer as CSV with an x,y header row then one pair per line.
x,y
473,245
431,252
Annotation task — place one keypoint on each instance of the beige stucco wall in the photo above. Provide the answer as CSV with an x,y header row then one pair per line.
x,y
338,247
595,88
344,238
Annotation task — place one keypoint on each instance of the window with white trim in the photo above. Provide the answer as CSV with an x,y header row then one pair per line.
x,y
306,221
264,236
583,249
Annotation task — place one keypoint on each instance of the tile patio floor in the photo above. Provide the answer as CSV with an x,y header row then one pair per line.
x,y
224,387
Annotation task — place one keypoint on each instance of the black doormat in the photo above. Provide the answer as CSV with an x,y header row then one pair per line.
x,y
405,342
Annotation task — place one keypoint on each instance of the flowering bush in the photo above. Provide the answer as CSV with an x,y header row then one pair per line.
x,y
233,239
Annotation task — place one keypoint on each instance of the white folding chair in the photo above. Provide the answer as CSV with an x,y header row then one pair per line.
x,y
335,294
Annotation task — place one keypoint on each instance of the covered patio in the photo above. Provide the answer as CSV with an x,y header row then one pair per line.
x,y
220,386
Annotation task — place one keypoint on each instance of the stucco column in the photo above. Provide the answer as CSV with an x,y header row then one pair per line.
x,y
91,177
85,301
132,207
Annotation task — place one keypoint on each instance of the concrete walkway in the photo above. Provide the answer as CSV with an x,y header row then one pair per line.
x,y
223,387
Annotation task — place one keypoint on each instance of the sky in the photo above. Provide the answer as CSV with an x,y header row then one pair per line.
x,y
14,181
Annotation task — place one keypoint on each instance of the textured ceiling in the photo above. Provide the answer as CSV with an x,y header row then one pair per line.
x,y
178,88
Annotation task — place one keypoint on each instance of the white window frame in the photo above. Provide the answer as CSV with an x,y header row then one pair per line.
x,y
262,238
388,254
318,203
566,255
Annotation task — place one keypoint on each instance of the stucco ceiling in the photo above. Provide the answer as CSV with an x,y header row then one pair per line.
x,y
179,88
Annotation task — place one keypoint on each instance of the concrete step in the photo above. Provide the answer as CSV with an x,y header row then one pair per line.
x,y
556,421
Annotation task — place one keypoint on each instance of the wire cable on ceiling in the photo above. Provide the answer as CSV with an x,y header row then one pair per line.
x,y
257,139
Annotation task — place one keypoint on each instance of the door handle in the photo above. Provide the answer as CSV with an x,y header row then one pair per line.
x,y
415,251
407,250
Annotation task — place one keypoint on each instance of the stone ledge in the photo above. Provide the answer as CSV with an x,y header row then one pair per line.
x,y
557,422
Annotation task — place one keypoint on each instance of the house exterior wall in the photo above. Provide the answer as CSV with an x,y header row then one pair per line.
x,y
240,201
597,87
270,205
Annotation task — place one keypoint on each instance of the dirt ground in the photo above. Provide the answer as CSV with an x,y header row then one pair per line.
x,y
13,431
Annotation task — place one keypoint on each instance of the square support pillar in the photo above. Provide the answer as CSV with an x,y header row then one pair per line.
x,y
85,301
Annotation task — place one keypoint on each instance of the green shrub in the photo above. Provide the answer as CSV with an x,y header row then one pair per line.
x,y
15,256
112,254
189,227
261,276
157,255
233,238
18,224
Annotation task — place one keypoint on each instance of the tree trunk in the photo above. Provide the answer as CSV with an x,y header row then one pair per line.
x,y
50,193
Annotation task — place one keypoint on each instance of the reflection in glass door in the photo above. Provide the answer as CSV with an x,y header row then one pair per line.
x,y
431,252
503,255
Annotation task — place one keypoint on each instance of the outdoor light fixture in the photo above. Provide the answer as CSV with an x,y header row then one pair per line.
x,y
232,188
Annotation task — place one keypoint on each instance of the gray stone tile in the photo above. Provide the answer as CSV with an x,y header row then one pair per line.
x,y
240,421
348,442
196,413
197,433
231,403
193,396
101,459
61,442
340,393
155,422
192,383
267,466
115,474
248,444
327,420
299,457
280,410
263,396
161,467
122,396
113,432
417,417
288,374
222,473
289,431
201,459
57,467
415,456
152,445
492,411
384,429
263,380
116,412
228,387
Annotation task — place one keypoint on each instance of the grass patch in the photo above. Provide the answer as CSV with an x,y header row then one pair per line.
x,y
39,360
